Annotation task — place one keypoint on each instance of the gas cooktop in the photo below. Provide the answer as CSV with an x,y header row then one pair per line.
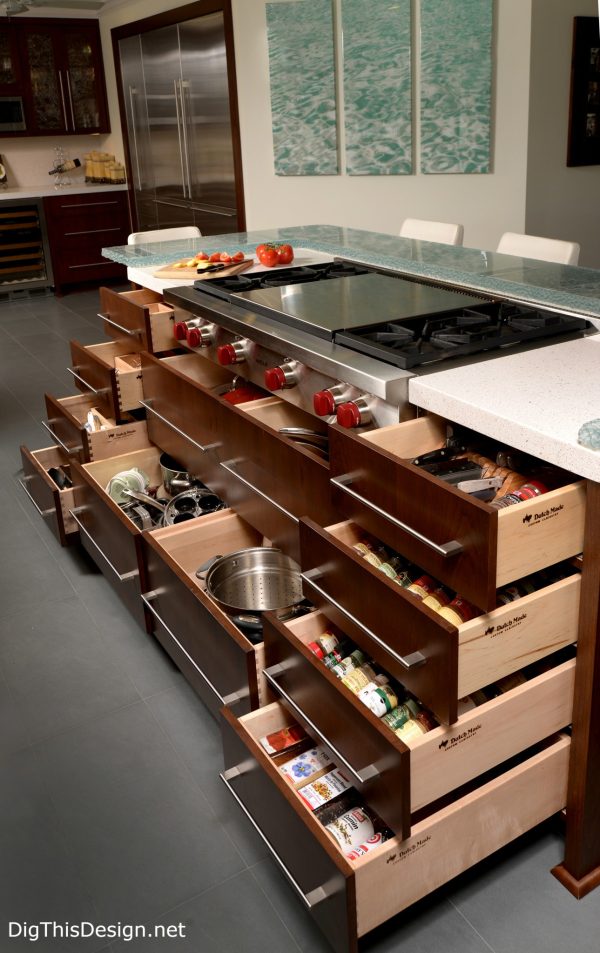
x,y
393,319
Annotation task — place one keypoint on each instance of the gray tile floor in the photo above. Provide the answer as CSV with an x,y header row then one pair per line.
x,y
111,810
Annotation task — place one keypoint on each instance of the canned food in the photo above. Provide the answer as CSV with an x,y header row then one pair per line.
x,y
375,841
359,678
328,641
324,789
304,765
316,649
509,682
380,700
438,598
401,714
422,586
411,730
338,653
458,611
345,665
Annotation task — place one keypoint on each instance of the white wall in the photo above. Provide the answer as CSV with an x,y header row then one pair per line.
x,y
562,202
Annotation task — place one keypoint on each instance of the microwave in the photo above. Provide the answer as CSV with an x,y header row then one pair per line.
x,y
12,114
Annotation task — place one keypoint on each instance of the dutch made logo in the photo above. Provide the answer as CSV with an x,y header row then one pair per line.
x,y
527,518
490,629
443,744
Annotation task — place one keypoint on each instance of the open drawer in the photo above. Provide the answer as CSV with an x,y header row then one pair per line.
x,y
140,315
66,425
435,660
185,417
220,663
53,504
348,898
439,761
111,372
107,533
467,544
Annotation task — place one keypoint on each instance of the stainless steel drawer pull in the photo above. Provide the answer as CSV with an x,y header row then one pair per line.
x,y
182,433
443,549
223,699
229,465
406,661
121,576
120,327
70,450
90,264
310,899
43,513
366,774
90,204
105,390
93,231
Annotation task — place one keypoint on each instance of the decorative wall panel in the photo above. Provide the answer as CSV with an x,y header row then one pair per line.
x,y
377,87
303,104
456,71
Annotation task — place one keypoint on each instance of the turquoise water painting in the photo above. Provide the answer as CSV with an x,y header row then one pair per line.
x,y
377,87
456,81
303,101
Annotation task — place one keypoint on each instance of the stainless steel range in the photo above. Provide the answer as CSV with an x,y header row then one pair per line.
x,y
342,341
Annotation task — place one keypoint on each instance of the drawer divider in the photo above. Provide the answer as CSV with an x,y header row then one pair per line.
x,y
451,548
414,660
310,899
368,773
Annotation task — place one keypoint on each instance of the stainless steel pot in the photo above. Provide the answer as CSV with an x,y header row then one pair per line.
x,y
253,580
175,478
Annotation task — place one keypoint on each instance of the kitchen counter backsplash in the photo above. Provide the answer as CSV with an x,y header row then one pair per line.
x,y
534,282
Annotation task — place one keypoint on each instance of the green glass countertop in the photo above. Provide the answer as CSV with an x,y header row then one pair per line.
x,y
538,282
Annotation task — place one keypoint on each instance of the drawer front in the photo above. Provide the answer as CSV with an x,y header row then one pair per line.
x,y
376,761
468,545
317,880
76,212
408,640
52,504
65,423
67,431
199,638
112,541
94,376
125,314
461,834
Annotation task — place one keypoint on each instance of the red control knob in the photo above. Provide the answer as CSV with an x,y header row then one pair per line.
x,y
193,337
226,354
179,330
274,378
348,415
323,403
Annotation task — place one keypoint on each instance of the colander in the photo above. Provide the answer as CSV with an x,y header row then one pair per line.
x,y
253,580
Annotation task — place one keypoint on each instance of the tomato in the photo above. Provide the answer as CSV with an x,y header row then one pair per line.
x,y
267,255
216,256
201,256
239,256
285,254
225,258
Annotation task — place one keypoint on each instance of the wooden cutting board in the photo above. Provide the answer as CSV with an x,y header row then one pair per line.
x,y
169,271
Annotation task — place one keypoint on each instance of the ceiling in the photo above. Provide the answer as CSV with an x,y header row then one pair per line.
x,y
32,7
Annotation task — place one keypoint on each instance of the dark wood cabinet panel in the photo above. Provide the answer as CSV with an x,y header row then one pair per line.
x,y
79,227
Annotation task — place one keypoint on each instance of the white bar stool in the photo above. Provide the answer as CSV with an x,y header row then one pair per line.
x,y
443,232
544,249
164,235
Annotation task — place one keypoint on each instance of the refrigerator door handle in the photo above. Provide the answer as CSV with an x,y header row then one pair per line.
x,y
183,86
179,129
132,94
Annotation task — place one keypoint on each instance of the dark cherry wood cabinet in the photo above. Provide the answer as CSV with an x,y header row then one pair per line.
x,y
79,227
60,76
10,71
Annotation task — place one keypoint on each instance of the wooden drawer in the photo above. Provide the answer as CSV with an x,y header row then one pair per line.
x,y
53,504
220,663
110,372
436,763
348,899
108,535
66,426
436,661
139,315
469,545
184,418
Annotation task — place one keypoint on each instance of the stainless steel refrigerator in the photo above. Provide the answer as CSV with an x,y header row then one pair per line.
x,y
180,137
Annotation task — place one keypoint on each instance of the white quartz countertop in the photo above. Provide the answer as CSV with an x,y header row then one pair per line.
x,y
40,191
535,401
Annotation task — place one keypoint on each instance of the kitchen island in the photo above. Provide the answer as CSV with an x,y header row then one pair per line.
x,y
535,401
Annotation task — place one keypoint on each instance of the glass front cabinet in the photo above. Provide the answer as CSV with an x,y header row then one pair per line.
x,y
62,77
